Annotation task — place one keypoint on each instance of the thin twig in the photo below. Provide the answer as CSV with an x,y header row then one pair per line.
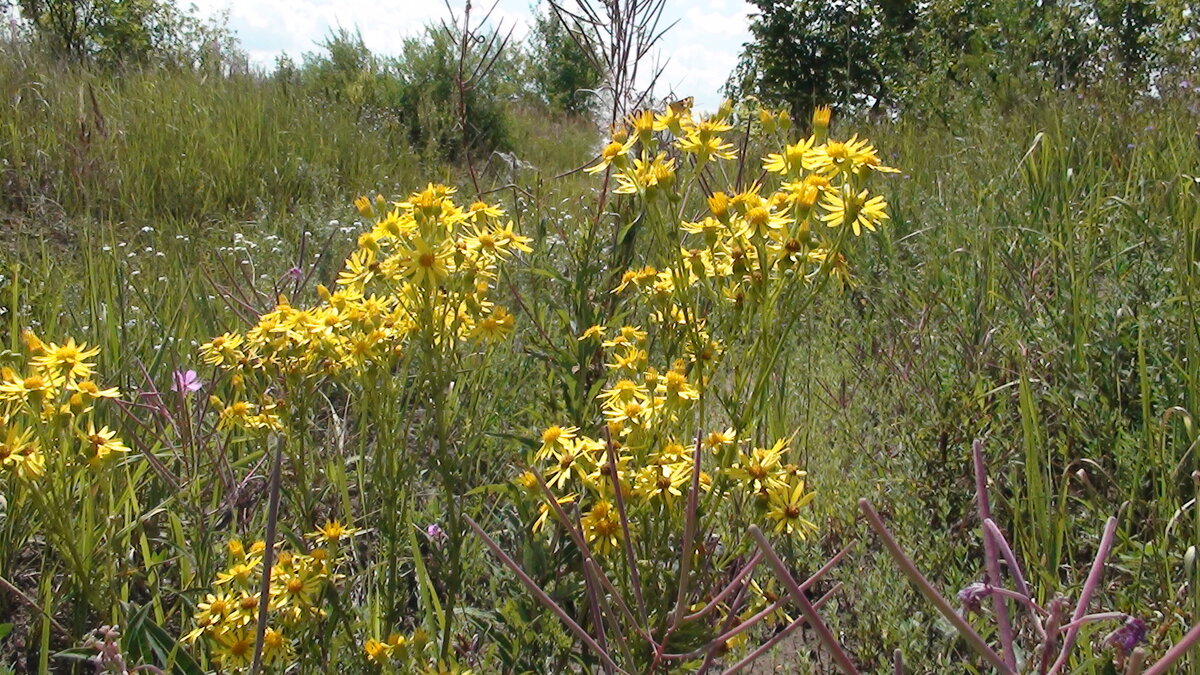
x,y
780,636
32,604
1175,653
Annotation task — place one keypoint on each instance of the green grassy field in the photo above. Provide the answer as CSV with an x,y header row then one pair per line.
x,y
1033,289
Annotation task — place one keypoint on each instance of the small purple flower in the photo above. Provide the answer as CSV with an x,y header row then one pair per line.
x,y
295,274
972,597
1185,84
1129,635
435,533
186,382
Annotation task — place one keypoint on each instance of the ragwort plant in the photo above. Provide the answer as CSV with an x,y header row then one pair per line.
x,y
412,305
655,493
56,450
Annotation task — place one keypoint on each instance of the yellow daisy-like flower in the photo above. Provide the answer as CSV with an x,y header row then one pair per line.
x,y
91,390
615,152
602,528
760,221
856,209
19,453
786,504
629,335
425,265
235,647
223,349
332,531
664,482
19,390
715,440
377,652
839,157
276,648
705,148
479,210
361,267
69,359
595,333
497,241
791,161
760,470
573,459
102,444
213,609
646,175
494,327
555,438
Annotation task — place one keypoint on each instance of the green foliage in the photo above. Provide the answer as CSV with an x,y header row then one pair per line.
x,y
806,54
417,90
111,32
565,75
914,56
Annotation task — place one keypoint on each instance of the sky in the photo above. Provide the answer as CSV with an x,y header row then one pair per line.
x,y
698,53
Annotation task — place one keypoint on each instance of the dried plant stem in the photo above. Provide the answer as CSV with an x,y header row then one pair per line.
x,y
597,613
1014,570
1004,625
1085,596
32,604
687,546
733,585
1175,653
541,596
780,636
781,572
914,575
1090,618
593,570
635,579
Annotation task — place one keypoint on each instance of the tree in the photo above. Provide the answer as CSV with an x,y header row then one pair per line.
x,y
565,75
112,32
809,52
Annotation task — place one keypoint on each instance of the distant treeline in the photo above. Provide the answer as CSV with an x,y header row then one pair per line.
x,y
920,57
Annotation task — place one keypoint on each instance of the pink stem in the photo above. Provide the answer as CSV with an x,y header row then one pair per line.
x,y
779,637
1085,596
1175,653
914,575
810,613
538,593
990,557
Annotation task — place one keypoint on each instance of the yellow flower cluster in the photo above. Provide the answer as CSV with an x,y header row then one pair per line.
x,y
227,618
426,267
745,237
50,400
413,653
648,417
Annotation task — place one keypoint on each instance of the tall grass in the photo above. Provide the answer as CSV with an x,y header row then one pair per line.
x,y
157,143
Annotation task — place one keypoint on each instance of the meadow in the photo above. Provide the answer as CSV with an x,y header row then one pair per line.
x,y
285,391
